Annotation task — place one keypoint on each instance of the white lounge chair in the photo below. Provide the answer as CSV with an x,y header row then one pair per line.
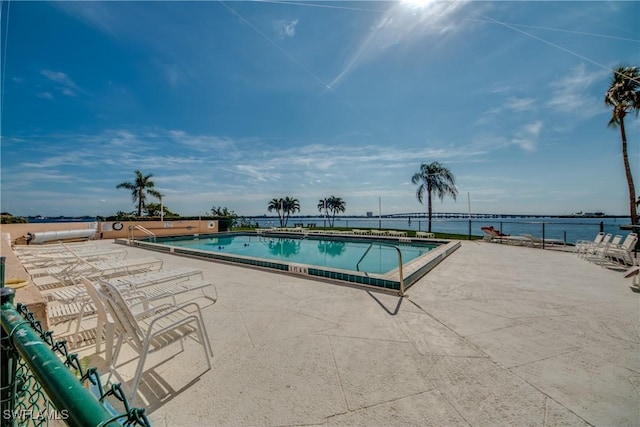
x,y
173,281
583,245
588,250
106,326
152,333
538,241
37,264
620,253
598,253
425,235
104,268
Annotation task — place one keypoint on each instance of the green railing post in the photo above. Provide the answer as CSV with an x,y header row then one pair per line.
x,y
7,364
2,260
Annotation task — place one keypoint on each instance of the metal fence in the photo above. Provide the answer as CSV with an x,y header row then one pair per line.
x,y
44,384
569,230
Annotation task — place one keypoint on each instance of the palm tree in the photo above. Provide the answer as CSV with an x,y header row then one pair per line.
x,y
139,189
290,205
323,205
436,179
623,96
277,205
336,205
284,208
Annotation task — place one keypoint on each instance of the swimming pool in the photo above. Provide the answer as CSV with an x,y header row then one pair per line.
x,y
365,261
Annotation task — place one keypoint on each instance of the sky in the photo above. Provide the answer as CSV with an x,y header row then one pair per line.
x,y
234,103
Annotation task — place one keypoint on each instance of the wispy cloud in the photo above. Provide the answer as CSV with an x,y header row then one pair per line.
x,y
527,137
66,86
519,104
570,93
285,29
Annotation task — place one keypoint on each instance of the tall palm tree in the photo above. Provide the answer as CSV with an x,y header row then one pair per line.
x,y
434,179
624,97
139,189
323,205
278,206
336,205
291,205
284,208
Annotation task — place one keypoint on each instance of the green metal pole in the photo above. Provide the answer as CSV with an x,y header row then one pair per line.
x,y
65,391
7,365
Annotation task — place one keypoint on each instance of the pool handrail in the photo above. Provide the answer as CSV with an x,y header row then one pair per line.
x,y
400,274
141,228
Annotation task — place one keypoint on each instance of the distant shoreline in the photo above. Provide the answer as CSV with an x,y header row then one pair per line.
x,y
40,219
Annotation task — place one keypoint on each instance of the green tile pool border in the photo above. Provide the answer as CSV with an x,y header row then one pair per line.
x,y
353,278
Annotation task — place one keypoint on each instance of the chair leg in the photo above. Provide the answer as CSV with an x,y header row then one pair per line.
x,y
99,331
139,370
109,336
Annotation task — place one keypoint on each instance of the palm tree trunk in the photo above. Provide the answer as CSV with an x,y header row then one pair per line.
x,y
627,169
430,208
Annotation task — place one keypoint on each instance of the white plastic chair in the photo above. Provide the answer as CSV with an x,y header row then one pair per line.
x,y
621,253
106,325
584,245
160,329
590,251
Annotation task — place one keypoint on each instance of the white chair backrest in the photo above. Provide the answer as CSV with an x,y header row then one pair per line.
x,y
122,314
630,241
616,240
606,239
598,238
95,297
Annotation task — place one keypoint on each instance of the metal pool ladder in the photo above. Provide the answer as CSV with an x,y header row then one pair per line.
x,y
402,294
141,228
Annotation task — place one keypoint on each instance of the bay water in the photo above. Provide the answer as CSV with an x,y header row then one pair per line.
x,y
568,229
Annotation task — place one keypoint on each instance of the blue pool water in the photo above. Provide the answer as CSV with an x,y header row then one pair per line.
x,y
322,252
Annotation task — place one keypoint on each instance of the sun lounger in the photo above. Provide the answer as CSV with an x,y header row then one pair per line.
x,y
146,280
358,231
66,275
537,241
36,265
495,236
588,250
620,253
66,312
425,235
582,245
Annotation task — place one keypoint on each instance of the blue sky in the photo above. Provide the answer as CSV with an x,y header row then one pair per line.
x,y
236,103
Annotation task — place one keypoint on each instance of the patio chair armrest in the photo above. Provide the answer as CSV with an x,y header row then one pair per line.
x,y
153,311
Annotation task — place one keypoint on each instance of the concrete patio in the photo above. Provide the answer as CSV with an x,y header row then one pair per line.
x,y
495,335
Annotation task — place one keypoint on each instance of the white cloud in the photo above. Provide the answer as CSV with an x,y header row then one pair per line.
x,y
570,92
66,86
285,29
527,137
520,104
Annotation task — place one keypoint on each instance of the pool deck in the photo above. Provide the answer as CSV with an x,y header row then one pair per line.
x,y
495,335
